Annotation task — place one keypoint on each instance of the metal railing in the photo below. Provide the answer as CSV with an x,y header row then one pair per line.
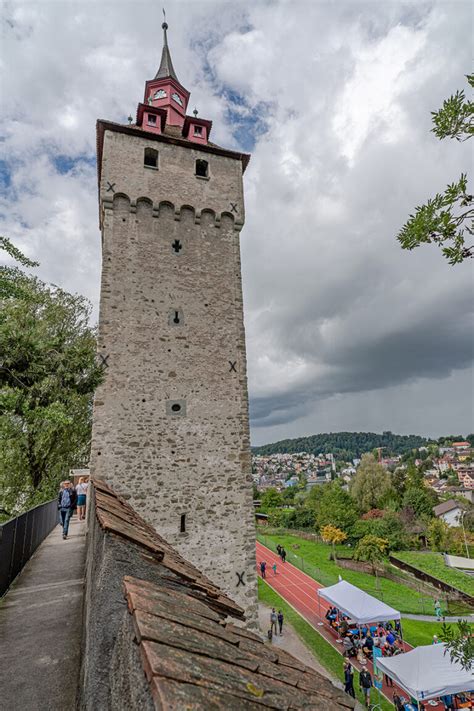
x,y
20,537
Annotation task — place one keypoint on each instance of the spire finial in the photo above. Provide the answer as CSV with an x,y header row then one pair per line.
x,y
166,66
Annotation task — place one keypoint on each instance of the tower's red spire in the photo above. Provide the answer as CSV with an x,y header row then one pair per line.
x,y
166,65
166,101
165,91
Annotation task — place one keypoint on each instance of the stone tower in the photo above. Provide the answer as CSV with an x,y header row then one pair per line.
x,y
170,428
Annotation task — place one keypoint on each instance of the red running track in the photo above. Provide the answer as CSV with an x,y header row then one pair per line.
x,y
300,591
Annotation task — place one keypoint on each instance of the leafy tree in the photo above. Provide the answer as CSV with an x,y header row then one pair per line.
x,y
390,527
12,279
372,549
271,499
337,507
460,643
48,375
421,500
448,217
399,482
414,477
302,518
437,534
371,484
333,535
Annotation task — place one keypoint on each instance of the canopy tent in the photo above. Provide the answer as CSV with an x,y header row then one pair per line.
x,y
357,604
427,672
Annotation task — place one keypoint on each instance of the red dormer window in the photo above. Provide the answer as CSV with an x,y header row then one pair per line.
x,y
198,131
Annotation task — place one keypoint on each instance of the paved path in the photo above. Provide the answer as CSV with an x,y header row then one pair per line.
x,y
300,591
430,618
41,627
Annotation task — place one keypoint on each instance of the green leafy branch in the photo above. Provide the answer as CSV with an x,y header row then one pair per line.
x,y
447,217
447,220
12,278
460,643
456,117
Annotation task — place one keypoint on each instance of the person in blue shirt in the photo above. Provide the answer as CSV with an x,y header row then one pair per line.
x,y
67,502
391,639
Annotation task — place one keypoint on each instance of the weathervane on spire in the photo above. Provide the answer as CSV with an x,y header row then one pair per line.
x,y
165,24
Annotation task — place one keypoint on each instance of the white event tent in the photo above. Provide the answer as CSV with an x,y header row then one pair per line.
x,y
427,672
357,604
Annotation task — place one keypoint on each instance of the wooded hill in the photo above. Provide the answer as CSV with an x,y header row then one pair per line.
x,y
345,445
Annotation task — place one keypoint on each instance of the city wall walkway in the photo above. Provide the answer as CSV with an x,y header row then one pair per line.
x,y
41,627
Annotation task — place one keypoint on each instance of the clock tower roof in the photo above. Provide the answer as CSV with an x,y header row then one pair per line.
x,y
166,65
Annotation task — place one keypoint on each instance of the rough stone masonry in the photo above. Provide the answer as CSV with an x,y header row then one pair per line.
x,y
170,428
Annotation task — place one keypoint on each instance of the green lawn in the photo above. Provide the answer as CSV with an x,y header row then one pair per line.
x,y
433,564
418,633
313,558
322,650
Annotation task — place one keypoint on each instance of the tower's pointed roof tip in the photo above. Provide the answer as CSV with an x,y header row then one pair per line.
x,y
166,65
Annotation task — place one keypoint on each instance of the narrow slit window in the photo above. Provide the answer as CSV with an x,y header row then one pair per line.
x,y
198,130
182,525
151,120
151,158
202,168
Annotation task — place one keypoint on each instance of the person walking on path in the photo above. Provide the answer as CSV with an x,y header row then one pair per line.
x,y
81,491
279,550
349,679
365,683
437,607
67,501
283,555
263,567
274,568
280,621
273,621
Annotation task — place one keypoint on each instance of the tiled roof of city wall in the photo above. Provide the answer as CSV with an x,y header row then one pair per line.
x,y
193,660
192,657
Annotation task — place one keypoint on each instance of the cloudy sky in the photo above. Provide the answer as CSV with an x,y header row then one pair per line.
x,y
333,99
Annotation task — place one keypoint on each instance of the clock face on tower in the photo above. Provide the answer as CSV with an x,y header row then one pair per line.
x,y
177,98
160,94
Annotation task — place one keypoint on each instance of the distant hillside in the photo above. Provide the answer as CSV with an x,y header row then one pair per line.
x,y
345,445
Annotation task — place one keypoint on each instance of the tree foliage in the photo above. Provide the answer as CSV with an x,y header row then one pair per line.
x,y
448,218
12,280
390,527
371,484
271,499
421,500
331,534
337,507
48,374
371,548
460,643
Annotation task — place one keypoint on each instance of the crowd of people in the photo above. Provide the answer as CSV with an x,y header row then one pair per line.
x,y
360,641
70,498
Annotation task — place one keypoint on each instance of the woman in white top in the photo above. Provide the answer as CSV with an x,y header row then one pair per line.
x,y
81,490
